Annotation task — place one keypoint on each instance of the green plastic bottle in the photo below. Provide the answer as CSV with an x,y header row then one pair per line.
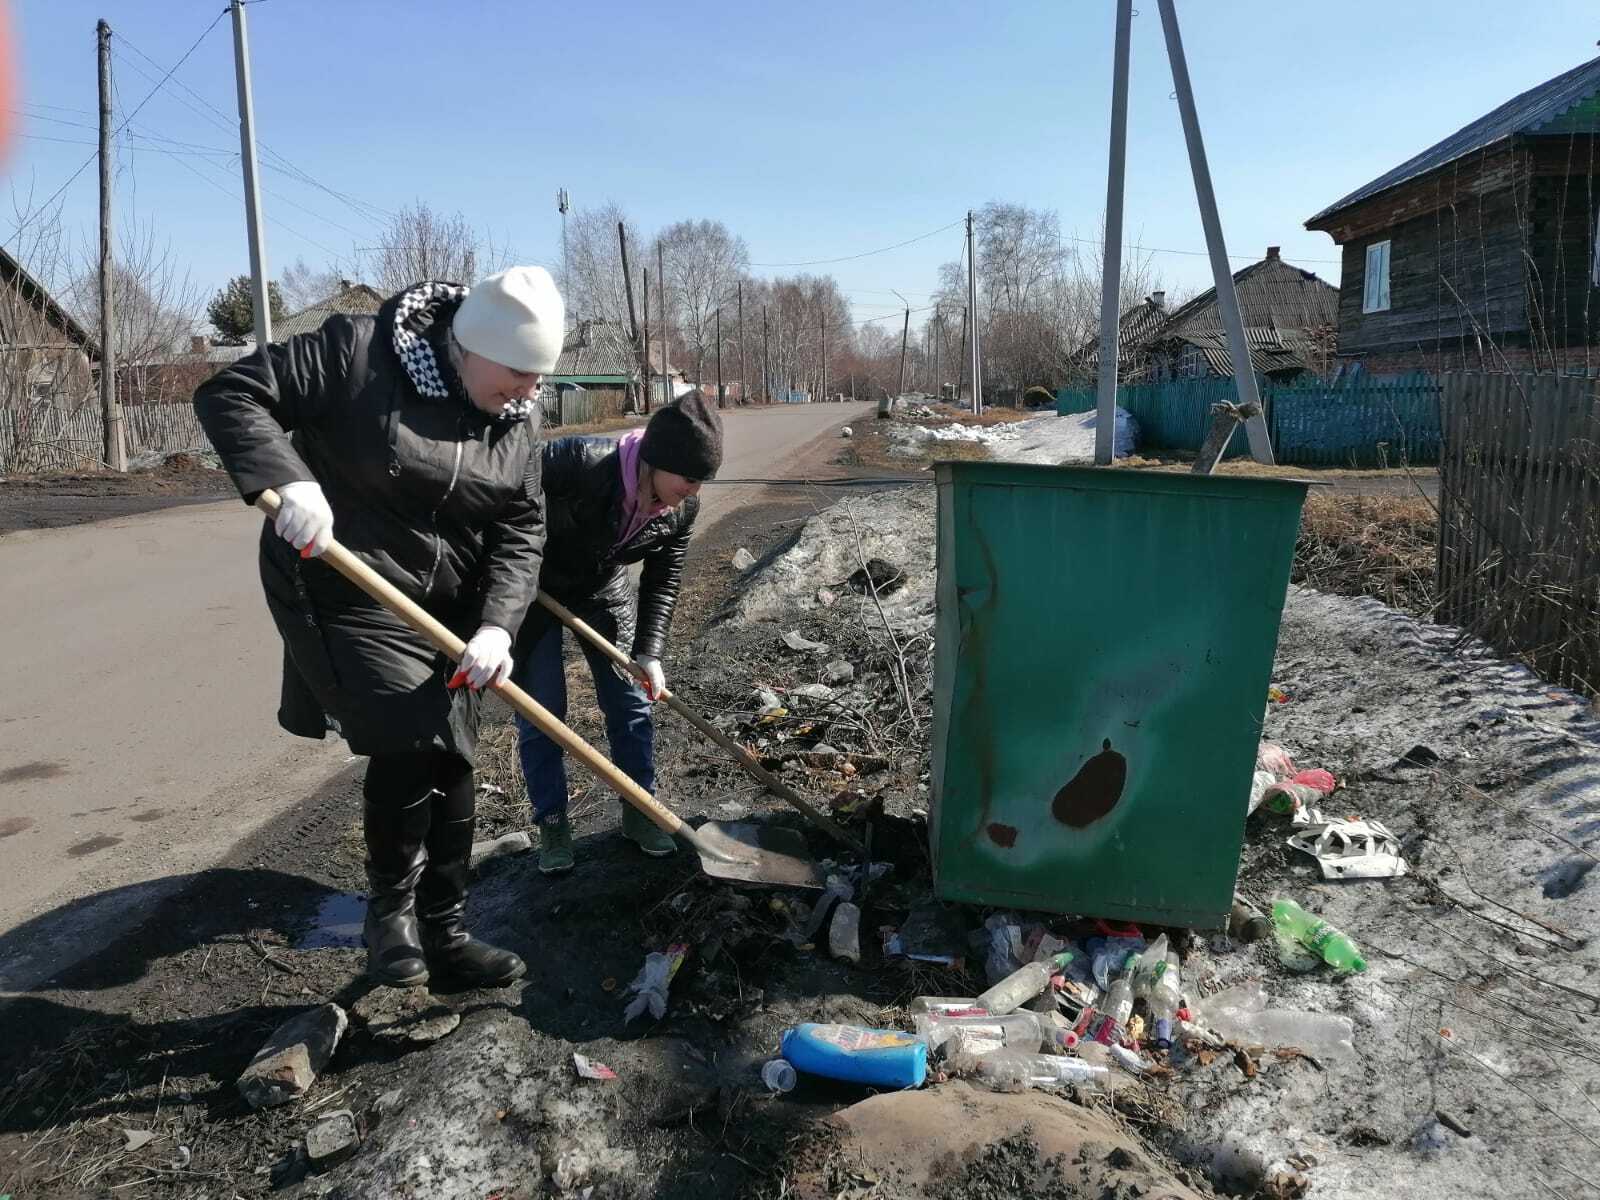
x,y
1335,947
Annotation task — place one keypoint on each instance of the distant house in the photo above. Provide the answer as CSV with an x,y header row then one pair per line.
x,y
598,358
351,299
1289,316
1481,251
46,351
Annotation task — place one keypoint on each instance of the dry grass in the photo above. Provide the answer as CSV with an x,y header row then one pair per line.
x,y
1184,461
1379,546
603,425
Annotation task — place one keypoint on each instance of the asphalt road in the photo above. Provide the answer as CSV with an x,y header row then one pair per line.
x,y
137,735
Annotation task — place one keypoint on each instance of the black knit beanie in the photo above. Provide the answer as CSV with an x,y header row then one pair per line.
x,y
685,438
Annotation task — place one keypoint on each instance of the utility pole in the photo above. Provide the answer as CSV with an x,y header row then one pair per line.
x,y
648,382
766,361
661,289
1111,251
938,322
719,358
905,331
252,187
972,309
961,370
627,282
822,324
114,446
563,204
1227,299
744,384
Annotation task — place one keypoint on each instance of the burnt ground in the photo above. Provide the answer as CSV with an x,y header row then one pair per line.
x,y
58,501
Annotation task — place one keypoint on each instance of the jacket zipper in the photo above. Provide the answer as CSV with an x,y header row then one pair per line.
x,y
433,519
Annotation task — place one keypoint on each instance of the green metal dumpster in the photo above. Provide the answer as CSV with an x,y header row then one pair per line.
x,y
1104,649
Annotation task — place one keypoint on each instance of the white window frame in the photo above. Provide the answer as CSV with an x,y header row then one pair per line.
x,y
1375,280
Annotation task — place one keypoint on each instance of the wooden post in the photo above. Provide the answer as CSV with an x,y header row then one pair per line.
x,y
648,382
905,330
666,343
627,283
744,383
961,371
766,361
114,441
719,358
823,325
938,387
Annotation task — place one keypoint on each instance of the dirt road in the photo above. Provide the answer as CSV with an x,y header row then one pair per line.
x,y
137,741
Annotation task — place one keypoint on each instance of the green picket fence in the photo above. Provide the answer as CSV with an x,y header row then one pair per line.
x,y
1363,424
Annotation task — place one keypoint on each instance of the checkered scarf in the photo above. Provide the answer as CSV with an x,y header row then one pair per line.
x,y
422,307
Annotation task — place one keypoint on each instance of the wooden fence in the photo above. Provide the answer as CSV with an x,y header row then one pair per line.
x,y
50,436
1519,535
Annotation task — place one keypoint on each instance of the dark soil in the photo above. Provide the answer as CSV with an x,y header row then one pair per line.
x,y
57,501
1004,1171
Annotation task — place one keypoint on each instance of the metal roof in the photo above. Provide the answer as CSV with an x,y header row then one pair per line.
x,y
357,299
1535,111
596,349
1271,350
15,275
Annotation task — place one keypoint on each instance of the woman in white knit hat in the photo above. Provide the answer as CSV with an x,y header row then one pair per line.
x,y
406,435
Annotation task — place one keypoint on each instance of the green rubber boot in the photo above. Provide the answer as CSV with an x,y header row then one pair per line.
x,y
555,845
644,833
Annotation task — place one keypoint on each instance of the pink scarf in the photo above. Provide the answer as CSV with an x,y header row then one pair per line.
x,y
633,519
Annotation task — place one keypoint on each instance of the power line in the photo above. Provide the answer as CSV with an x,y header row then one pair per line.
x,y
819,262
84,166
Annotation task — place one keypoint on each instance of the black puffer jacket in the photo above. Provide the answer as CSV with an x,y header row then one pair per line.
x,y
440,499
586,570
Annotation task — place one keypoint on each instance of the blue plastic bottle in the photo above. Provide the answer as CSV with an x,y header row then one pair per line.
x,y
882,1057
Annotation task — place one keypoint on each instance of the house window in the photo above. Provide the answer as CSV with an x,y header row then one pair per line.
x,y
1375,295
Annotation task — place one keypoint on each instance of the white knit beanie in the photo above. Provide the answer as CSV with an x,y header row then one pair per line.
x,y
515,318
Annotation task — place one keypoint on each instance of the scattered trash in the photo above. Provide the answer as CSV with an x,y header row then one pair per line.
x,y
836,888
732,810
1240,1015
1335,948
847,432
1016,1030
767,701
881,1057
649,987
288,1064
185,1157
1132,1061
137,1139
1246,922
813,691
838,671
743,560
1452,1124
947,1006
877,576
1418,756
827,597
1017,1072
931,933
803,645
1351,849
332,1139
1274,758
779,1076
1276,695
844,934
589,1068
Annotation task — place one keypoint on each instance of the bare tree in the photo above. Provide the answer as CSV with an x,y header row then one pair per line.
x,y
704,263
594,289
303,285
422,244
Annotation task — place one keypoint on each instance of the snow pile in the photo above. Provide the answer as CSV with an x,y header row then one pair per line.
x,y
909,439
1055,441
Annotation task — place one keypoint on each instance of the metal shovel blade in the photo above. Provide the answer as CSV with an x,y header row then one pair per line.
x,y
758,853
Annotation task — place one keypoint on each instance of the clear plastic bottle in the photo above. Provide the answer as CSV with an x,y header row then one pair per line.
x,y
1015,1029
1148,970
947,1006
1165,999
1336,949
1009,1072
1117,1006
779,1076
1321,1034
1023,984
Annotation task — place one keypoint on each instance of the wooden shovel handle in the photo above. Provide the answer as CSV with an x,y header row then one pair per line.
x,y
740,754
541,718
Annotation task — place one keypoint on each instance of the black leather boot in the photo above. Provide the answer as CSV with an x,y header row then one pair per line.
x,y
395,836
451,951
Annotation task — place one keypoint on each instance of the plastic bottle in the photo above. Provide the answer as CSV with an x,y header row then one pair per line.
x,y
1008,1071
1117,1006
1246,922
1017,1029
1108,955
1152,964
779,1076
1165,1000
947,1006
1320,1034
1023,984
884,1057
1336,949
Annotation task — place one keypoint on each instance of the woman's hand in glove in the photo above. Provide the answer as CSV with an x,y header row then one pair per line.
x,y
655,679
486,661
304,519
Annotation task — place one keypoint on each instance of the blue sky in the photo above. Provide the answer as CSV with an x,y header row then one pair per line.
x,y
814,130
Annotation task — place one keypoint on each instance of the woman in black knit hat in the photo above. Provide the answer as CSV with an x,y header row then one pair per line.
x,y
607,505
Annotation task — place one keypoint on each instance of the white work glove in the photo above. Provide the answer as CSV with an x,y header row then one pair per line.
x,y
486,660
304,519
655,679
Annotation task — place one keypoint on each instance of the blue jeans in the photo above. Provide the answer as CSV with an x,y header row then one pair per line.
x,y
629,729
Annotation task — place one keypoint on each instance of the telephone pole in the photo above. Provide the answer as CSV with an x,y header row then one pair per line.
x,y
661,289
766,362
648,382
719,358
972,310
627,282
563,205
744,384
905,331
114,441
938,384
961,369
823,325
252,187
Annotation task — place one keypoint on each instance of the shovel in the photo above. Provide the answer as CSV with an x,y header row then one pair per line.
x,y
733,852
740,754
